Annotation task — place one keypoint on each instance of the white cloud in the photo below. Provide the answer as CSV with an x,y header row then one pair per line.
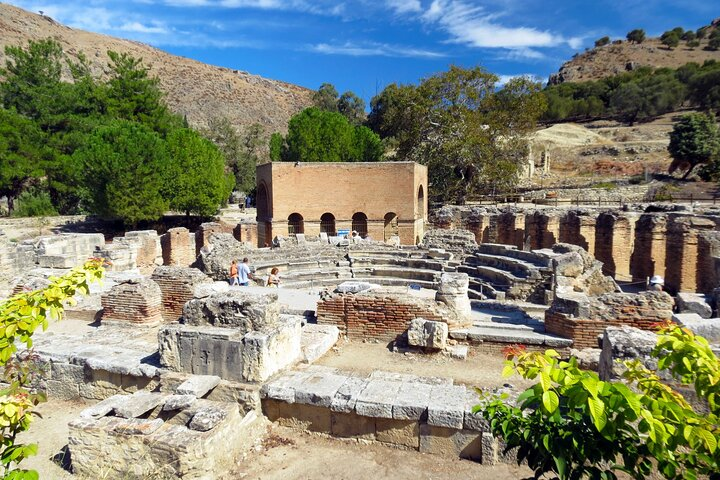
x,y
404,6
140,28
472,25
504,79
373,50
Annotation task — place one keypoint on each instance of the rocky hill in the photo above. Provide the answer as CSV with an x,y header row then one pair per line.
x,y
621,56
192,88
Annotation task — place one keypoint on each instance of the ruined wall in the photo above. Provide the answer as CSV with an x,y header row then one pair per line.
x,y
177,285
134,302
583,319
378,315
632,244
202,235
178,247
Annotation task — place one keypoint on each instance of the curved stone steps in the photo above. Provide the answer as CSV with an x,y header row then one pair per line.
x,y
519,268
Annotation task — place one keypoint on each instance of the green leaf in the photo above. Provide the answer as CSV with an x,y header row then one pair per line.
x,y
597,412
707,438
550,401
561,465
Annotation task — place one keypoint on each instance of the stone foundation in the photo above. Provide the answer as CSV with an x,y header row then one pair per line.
x,y
178,247
177,285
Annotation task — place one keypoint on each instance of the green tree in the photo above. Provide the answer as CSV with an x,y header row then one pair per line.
x,y
688,36
670,39
198,183
471,136
714,43
326,97
126,172
694,141
21,157
277,147
133,95
242,151
352,107
601,42
316,135
702,32
636,36
367,145
704,88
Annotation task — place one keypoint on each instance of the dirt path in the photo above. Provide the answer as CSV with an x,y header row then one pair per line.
x,y
480,370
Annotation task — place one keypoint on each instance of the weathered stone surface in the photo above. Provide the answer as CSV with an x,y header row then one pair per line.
x,y
242,311
451,442
198,385
412,401
459,352
347,395
317,340
447,406
428,334
354,287
207,419
453,284
207,289
103,407
138,426
569,264
693,303
705,327
377,399
588,358
319,388
137,404
625,343
178,402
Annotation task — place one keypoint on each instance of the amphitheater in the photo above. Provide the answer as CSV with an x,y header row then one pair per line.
x,y
182,373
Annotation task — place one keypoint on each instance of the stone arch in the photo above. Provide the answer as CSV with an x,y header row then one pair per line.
x,y
421,202
360,224
296,224
391,226
261,202
327,224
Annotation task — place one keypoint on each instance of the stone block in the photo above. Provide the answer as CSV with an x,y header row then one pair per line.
x,y
458,352
265,353
412,401
319,389
299,416
377,399
242,311
693,303
138,426
198,385
207,289
317,340
405,433
351,425
137,404
569,264
62,390
178,402
102,408
68,373
347,395
709,328
454,284
207,418
428,334
354,287
447,406
451,443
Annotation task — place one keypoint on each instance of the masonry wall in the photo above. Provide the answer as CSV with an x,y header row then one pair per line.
x,y
343,189
177,285
178,247
135,302
379,316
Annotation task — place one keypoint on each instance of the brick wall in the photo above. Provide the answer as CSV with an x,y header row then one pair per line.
x,y
178,247
377,315
136,302
202,235
177,285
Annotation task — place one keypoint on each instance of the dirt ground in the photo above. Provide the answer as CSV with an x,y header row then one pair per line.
x,y
284,454
479,370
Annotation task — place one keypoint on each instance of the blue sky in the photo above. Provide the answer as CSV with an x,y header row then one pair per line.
x,y
363,45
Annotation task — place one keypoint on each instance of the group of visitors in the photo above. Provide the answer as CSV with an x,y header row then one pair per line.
x,y
241,275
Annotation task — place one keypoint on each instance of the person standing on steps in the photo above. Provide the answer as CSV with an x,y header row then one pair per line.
x,y
234,280
244,273
273,279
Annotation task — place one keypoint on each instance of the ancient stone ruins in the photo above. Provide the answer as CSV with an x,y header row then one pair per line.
x,y
183,372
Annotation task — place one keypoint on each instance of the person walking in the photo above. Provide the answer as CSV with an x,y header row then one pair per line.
x,y
244,273
234,279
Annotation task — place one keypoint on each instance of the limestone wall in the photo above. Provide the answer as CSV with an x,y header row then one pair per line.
x,y
633,243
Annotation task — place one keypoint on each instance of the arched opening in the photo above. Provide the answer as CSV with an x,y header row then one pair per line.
x,y
391,226
295,224
359,224
327,224
421,202
261,202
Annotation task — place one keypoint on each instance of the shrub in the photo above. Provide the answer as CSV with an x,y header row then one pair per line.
x,y
34,203
601,42
576,426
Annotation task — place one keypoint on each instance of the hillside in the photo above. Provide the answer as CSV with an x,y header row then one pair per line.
x,y
192,88
619,57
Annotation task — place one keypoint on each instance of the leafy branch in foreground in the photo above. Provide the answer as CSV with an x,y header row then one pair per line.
x,y
575,425
20,316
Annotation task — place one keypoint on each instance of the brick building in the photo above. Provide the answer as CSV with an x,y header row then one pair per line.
x,y
379,199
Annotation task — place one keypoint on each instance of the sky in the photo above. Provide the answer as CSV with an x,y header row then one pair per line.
x,y
364,45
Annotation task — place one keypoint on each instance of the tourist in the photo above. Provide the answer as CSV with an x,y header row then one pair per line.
x,y
234,274
245,274
273,279
656,283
